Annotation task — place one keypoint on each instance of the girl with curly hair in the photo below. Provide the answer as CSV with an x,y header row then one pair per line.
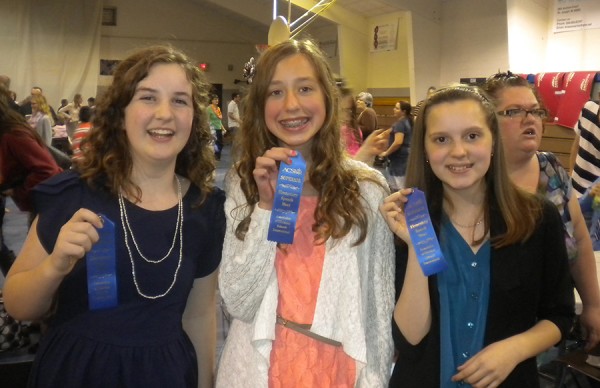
x,y
147,166
324,297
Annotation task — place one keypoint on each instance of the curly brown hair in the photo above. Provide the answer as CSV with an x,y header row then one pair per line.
x,y
340,206
106,156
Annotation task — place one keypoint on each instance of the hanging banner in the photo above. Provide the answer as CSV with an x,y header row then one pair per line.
x,y
574,15
578,89
384,37
551,88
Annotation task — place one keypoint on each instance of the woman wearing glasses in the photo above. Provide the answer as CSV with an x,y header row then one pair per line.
x,y
520,117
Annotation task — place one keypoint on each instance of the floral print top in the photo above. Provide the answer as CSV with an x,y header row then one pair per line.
x,y
555,185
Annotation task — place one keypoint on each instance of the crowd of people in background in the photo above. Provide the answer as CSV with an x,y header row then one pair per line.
x,y
349,297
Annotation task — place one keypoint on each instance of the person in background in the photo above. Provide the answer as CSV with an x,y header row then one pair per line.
x,y
585,152
41,118
64,102
367,117
399,146
5,82
506,294
520,116
60,139
61,119
85,117
233,113
364,150
149,170
351,133
70,114
215,119
590,207
25,105
24,163
316,312
417,108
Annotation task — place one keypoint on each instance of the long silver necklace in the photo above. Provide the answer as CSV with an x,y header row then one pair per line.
x,y
127,231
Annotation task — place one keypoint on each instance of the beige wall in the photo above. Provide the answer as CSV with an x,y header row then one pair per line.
x,y
527,35
438,41
389,69
204,34
474,39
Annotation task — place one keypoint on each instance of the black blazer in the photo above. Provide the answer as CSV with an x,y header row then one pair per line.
x,y
529,282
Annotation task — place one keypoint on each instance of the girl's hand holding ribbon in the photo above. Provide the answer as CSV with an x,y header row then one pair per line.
x,y
75,239
266,171
392,210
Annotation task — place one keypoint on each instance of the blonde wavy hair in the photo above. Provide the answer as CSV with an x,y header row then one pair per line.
x,y
43,106
340,206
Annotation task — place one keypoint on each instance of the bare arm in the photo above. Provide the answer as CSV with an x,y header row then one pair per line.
x,y
412,313
200,324
493,364
398,140
35,276
373,145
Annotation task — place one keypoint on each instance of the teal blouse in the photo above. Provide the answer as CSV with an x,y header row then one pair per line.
x,y
464,290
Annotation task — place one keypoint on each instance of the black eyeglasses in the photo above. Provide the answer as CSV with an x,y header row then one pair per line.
x,y
520,113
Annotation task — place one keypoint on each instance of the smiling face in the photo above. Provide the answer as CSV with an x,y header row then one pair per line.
x,y
295,105
158,119
458,144
521,137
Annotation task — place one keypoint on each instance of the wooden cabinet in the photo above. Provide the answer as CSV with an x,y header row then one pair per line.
x,y
558,139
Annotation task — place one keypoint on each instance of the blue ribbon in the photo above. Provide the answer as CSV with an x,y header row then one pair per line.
x,y
287,200
423,235
101,269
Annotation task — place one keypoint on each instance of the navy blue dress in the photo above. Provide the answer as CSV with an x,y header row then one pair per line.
x,y
141,342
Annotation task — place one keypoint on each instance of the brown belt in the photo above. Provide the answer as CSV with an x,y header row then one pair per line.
x,y
305,329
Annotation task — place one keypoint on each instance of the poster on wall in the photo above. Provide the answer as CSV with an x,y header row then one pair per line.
x,y
384,37
574,15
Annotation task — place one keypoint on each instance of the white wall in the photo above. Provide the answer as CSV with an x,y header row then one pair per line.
x,y
474,39
353,62
426,49
389,69
527,35
571,51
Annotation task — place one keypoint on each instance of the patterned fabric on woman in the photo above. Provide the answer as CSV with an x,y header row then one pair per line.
x,y
555,185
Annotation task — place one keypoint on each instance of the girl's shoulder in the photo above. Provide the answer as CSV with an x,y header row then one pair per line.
x,y
370,180
59,183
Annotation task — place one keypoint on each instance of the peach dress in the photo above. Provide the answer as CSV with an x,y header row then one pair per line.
x,y
296,359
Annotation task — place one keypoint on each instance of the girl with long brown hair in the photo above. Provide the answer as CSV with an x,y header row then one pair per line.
x,y
323,297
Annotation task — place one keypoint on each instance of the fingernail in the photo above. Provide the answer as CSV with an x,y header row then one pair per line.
x,y
101,219
294,153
